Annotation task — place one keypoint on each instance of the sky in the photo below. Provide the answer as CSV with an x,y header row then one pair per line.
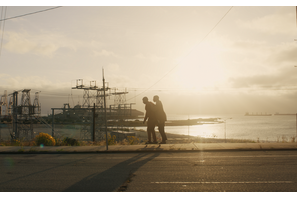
x,y
200,60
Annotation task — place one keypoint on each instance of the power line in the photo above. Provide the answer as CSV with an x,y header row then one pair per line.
x,y
183,57
2,29
30,13
261,88
5,19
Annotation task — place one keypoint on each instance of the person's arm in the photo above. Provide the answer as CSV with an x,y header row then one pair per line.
x,y
145,117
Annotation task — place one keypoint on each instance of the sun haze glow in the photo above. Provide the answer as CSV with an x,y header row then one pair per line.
x,y
245,60
201,69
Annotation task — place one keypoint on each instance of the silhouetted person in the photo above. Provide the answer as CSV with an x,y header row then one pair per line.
x,y
150,115
161,118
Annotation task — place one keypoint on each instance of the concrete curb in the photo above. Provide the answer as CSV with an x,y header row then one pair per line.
x,y
192,147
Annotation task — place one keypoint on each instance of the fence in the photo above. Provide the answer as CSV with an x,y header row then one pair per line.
x,y
86,124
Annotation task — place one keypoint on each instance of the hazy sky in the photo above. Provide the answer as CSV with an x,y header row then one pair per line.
x,y
198,59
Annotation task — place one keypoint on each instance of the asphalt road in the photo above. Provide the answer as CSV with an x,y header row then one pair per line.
x,y
236,171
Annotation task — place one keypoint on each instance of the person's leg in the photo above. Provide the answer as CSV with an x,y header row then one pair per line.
x,y
151,125
162,131
148,133
154,134
151,132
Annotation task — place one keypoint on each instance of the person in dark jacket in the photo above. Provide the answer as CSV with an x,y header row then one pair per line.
x,y
150,116
161,118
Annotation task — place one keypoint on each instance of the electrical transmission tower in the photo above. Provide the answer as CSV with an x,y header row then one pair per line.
x,y
119,97
92,94
23,115
25,118
4,103
36,104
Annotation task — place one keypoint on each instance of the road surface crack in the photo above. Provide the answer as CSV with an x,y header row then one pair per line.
x,y
124,186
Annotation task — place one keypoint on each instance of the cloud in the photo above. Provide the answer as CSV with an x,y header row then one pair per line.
x,y
284,53
9,82
260,51
249,45
281,23
112,68
96,44
140,56
105,53
153,58
119,81
44,43
283,79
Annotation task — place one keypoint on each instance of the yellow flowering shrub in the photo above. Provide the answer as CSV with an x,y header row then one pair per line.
x,y
111,140
44,139
133,140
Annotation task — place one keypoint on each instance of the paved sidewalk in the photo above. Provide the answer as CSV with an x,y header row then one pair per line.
x,y
151,148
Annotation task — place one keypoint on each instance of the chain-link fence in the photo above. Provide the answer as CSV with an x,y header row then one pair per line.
x,y
84,124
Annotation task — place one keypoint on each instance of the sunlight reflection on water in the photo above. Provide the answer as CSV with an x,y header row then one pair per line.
x,y
266,128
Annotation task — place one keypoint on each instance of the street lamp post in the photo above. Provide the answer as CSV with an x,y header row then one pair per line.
x,y
226,128
296,113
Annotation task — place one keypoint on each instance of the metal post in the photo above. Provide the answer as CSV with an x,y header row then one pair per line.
x,y
94,114
53,125
105,111
15,114
188,127
225,130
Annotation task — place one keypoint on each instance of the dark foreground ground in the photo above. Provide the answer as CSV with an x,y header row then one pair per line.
x,y
196,171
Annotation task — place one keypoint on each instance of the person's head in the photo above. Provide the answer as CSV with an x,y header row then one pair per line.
x,y
145,100
156,98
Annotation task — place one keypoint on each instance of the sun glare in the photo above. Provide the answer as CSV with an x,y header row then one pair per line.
x,y
202,69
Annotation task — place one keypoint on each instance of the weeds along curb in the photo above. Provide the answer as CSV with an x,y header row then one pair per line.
x,y
20,151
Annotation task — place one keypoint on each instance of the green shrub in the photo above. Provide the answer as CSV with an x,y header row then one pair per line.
x,y
71,141
44,139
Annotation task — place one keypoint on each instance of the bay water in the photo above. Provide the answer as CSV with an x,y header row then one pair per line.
x,y
236,126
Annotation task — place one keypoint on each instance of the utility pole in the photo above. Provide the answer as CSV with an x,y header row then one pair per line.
x,y
296,66
15,114
94,120
226,129
105,110
53,122
188,127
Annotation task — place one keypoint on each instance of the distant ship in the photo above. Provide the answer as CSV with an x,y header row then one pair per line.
x,y
257,114
285,114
